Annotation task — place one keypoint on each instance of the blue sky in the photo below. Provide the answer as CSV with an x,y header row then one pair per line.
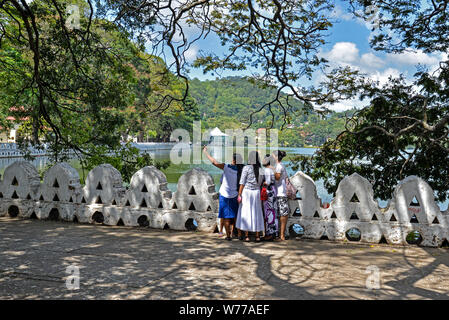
x,y
347,45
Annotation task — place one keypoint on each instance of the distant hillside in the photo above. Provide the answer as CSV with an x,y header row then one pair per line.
x,y
228,102
234,97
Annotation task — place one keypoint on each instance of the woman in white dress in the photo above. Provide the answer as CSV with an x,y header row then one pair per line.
x,y
250,215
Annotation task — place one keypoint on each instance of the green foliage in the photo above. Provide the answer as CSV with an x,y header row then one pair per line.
x,y
126,159
398,135
404,131
227,103
238,97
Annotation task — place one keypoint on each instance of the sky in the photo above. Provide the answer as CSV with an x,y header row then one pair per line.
x,y
347,45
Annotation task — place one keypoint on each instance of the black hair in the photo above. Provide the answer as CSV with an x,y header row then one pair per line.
x,y
280,154
268,160
255,163
236,157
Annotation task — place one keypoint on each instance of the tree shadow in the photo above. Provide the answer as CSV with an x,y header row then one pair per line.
x,y
142,263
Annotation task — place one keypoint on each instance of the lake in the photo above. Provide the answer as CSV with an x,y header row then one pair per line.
x,y
174,171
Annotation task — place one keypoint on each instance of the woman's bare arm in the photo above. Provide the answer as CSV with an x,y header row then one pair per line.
x,y
212,159
241,189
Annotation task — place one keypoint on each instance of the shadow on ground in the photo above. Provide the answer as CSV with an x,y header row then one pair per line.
x,y
138,263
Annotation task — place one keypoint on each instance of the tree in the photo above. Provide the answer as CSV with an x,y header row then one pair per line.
x,y
67,81
281,38
405,129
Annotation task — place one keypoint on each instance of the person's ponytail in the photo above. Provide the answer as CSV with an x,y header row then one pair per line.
x,y
280,155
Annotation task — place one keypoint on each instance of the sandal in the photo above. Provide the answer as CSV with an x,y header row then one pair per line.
x,y
247,239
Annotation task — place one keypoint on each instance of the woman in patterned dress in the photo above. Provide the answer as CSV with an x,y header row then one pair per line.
x,y
269,205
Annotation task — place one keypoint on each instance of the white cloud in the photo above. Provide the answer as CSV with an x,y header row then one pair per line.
x,y
191,53
410,57
383,76
339,13
343,52
370,60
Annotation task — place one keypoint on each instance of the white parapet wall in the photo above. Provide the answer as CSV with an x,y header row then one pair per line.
x,y
194,206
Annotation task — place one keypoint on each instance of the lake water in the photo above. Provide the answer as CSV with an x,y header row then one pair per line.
x,y
174,171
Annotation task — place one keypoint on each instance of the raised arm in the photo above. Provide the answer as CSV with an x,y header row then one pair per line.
x,y
212,159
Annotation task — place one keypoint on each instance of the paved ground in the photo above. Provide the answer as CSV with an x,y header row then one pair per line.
x,y
135,263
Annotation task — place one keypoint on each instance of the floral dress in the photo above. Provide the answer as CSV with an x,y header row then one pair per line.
x,y
269,205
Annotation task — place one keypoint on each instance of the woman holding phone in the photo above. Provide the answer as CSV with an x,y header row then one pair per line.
x,y
228,205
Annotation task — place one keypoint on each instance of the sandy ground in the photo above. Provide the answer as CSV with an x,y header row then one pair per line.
x,y
37,257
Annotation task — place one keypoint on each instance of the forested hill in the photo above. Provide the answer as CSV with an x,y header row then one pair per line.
x,y
234,96
228,102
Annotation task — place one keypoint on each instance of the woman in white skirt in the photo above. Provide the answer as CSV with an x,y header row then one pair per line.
x,y
250,215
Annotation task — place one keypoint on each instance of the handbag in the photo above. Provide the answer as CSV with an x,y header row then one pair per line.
x,y
264,194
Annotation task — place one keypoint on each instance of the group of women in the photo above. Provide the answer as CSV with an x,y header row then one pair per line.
x,y
253,198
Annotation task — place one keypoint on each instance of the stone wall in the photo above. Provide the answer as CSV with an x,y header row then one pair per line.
x,y
194,206
103,199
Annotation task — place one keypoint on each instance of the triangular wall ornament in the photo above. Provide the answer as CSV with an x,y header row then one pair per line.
x,y
28,197
383,240
414,219
316,215
14,182
99,186
354,216
55,183
83,200
209,208
127,204
192,190
192,207
99,201
324,236
333,216
114,203
71,199
41,198
14,195
143,204
1,195
415,202
435,221
354,198
174,206
393,218
144,188
297,212
161,206
374,218
56,198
